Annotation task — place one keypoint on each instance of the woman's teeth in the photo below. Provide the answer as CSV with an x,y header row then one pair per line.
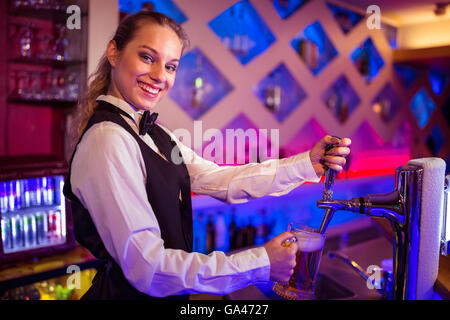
x,y
147,88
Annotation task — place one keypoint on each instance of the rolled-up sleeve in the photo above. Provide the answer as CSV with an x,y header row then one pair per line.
x,y
108,176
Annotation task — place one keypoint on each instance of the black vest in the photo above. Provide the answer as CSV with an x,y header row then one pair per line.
x,y
164,182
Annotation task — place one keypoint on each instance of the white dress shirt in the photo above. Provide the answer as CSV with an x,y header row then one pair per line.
x,y
108,176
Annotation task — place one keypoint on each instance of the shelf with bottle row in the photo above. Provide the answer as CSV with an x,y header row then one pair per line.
x,y
47,62
59,104
39,271
57,287
55,87
32,213
42,9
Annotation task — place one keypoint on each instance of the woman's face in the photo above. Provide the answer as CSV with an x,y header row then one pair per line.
x,y
144,71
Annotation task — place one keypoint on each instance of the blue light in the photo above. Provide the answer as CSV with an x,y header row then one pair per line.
x,y
407,74
292,94
389,101
341,99
346,19
315,35
286,8
367,53
390,32
438,81
435,140
446,110
196,68
422,107
163,6
242,30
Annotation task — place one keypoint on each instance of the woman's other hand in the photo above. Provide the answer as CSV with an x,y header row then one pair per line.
x,y
282,258
334,158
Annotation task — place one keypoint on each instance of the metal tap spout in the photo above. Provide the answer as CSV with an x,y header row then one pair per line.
x,y
388,205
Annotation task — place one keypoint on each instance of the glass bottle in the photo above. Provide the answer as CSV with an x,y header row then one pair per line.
x,y
198,85
61,44
26,41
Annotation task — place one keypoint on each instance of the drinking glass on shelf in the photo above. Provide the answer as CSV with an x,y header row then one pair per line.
x,y
35,85
46,47
20,4
13,83
27,40
61,43
14,36
40,4
56,5
57,88
72,86
23,85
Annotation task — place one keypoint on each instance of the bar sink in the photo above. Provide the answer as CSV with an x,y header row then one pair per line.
x,y
325,289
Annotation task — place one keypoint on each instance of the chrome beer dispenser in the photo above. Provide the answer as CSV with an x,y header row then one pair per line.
x,y
415,211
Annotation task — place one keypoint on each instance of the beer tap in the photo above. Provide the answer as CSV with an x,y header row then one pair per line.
x,y
328,192
414,203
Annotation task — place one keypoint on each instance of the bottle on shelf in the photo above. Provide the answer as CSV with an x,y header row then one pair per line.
x,y
272,93
210,235
309,52
198,89
41,227
250,234
30,213
199,232
232,230
61,43
220,232
29,230
6,232
241,233
262,228
17,231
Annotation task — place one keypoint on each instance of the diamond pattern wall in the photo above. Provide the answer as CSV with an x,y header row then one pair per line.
x,y
280,92
242,31
198,84
382,124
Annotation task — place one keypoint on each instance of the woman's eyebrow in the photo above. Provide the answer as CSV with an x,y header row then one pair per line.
x,y
156,52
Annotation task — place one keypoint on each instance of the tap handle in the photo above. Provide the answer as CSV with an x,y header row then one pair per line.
x,y
329,175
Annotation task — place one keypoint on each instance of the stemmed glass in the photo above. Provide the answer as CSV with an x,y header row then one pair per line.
x,y
26,40
61,43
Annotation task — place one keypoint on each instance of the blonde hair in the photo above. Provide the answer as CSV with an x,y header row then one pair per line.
x,y
100,80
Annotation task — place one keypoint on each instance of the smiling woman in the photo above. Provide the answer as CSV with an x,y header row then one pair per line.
x,y
144,71
102,81
131,201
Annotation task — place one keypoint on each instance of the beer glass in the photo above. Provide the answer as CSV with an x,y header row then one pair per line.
x,y
309,250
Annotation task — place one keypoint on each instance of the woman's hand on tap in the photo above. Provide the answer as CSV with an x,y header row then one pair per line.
x,y
334,158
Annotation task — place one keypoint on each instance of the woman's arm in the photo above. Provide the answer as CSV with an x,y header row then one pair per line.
x,y
238,184
108,178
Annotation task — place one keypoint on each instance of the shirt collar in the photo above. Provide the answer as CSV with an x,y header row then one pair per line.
x,y
123,105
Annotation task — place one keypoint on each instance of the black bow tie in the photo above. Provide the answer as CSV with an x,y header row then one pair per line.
x,y
147,122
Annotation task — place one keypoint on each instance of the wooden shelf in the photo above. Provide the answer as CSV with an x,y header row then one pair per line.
x,y
56,15
434,57
60,104
48,62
